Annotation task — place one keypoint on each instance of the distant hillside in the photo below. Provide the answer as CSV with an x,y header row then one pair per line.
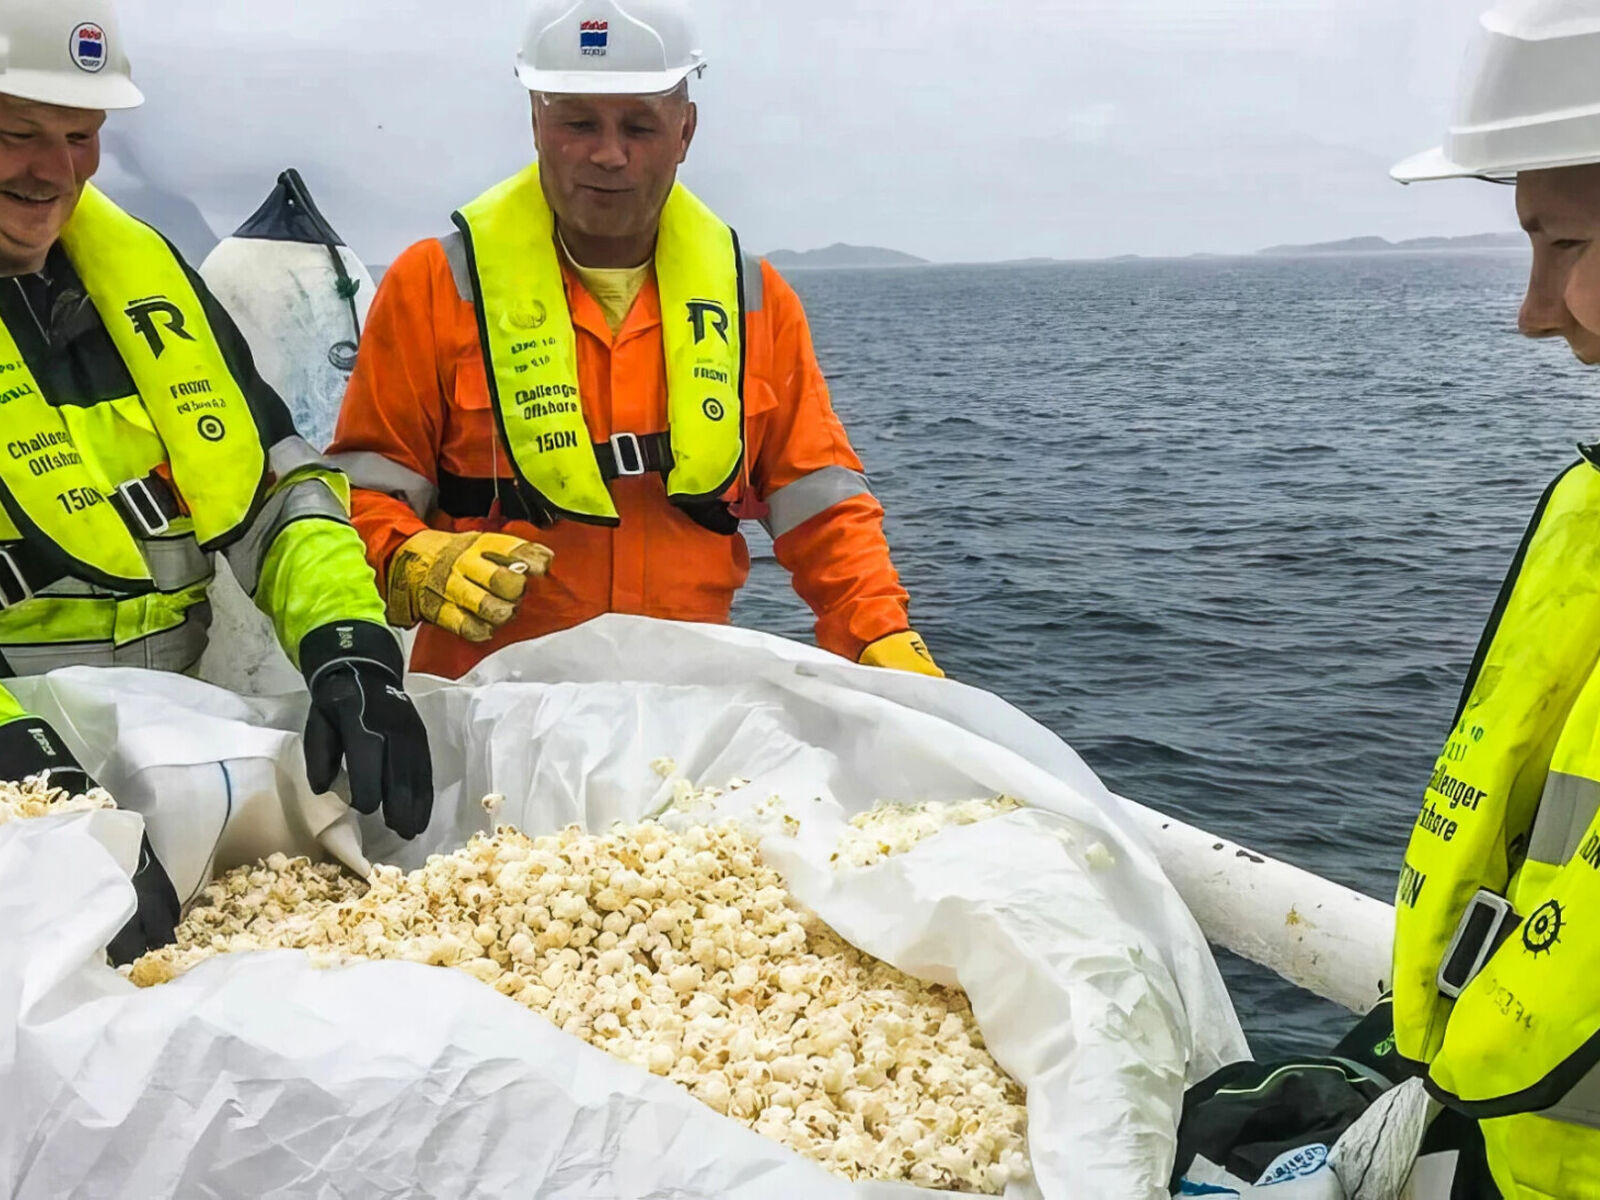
x,y
124,179
1378,245
840,255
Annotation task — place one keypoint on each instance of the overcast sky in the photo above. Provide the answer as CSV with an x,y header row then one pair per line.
x,y
952,129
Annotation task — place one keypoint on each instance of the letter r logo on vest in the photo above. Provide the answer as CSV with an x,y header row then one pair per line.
x,y
706,313
143,314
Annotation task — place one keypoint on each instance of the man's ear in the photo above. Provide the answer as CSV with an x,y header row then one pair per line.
x,y
691,122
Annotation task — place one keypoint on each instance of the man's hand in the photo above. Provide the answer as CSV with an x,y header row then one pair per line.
x,y
361,716
902,652
468,583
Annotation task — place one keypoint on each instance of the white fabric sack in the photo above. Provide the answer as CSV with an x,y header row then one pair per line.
x,y
284,297
260,1076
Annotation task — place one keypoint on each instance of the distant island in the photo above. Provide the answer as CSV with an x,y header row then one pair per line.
x,y
1378,245
841,255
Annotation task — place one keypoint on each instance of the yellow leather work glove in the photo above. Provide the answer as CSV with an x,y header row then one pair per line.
x,y
466,583
902,652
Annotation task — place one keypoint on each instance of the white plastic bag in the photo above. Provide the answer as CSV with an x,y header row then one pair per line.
x,y
260,1076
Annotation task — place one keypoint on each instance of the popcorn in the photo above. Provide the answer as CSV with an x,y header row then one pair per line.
x,y
34,797
891,829
1099,857
681,953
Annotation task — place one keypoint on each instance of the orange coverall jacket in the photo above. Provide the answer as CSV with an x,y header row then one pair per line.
x,y
419,401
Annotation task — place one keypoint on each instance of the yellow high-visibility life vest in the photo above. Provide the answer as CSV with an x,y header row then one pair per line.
x,y
1511,809
49,489
530,350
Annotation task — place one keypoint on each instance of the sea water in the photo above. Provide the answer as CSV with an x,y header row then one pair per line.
x,y
1230,528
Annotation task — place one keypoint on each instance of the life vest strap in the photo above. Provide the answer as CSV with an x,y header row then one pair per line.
x,y
148,506
624,456
627,455
24,571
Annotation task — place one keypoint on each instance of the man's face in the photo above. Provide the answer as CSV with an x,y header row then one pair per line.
x,y
1560,209
608,163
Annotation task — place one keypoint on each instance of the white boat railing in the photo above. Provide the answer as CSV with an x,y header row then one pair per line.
x,y
1319,935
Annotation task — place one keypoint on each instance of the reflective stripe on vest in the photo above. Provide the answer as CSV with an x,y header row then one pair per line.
x,y
52,494
530,349
155,632
1511,808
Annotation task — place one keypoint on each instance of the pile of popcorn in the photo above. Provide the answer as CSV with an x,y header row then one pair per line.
x,y
678,951
34,797
891,829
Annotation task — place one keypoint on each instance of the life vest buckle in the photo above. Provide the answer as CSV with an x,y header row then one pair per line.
x,y
142,509
14,586
629,455
1484,925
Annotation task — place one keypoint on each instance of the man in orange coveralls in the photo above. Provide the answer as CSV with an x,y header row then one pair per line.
x,y
589,360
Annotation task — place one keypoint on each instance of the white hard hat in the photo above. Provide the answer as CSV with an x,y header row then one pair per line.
x,y
1530,96
608,47
66,52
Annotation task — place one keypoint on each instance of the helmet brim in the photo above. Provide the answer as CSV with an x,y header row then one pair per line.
x,y
1429,166
89,93
604,83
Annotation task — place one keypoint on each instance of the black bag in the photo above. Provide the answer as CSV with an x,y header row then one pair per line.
x,y
1249,1115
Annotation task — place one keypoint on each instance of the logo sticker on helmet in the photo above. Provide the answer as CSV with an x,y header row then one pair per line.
x,y
88,46
593,38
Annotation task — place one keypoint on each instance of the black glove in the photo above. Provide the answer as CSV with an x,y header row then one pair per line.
x,y
361,715
155,921
28,747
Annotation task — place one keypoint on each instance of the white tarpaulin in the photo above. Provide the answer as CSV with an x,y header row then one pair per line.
x,y
261,1076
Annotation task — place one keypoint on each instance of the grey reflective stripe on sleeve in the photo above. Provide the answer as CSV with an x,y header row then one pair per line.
x,y
295,454
176,563
175,649
811,496
1566,811
755,286
1580,1106
455,253
308,498
376,473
